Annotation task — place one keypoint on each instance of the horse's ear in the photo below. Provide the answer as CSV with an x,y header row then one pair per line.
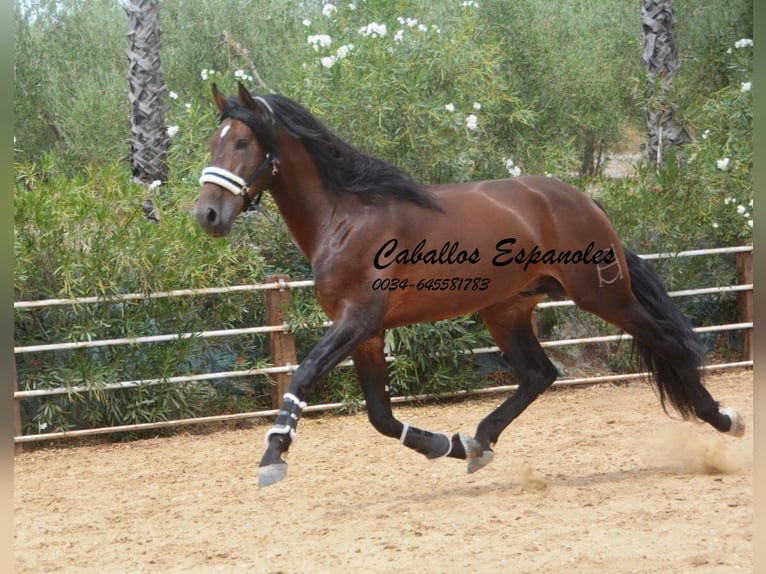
x,y
254,103
246,98
218,98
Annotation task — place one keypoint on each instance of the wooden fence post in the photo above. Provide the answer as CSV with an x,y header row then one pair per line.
x,y
19,446
281,345
745,301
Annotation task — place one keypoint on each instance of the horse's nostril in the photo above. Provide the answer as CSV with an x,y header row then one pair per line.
x,y
211,215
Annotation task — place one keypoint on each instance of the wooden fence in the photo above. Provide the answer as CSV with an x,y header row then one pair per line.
x,y
277,291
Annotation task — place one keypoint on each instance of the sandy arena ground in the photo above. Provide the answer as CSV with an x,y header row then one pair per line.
x,y
587,480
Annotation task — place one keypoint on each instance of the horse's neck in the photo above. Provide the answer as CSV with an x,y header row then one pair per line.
x,y
304,205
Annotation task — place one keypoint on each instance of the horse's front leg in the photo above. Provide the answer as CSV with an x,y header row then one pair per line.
x,y
337,343
372,371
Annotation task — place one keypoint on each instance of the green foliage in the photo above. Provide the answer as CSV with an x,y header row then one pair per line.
x,y
702,194
706,34
432,358
70,86
580,63
409,87
85,235
552,78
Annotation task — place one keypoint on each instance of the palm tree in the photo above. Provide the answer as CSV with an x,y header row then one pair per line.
x,y
661,59
150,141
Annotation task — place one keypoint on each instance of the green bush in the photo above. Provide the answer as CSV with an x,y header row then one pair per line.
x,y
83,236
701,196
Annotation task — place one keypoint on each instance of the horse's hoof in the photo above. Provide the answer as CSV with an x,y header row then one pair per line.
x,y
479,462
271,474
737,427
471,446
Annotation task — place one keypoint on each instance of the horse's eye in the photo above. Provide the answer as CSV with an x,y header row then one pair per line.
x,y
241,144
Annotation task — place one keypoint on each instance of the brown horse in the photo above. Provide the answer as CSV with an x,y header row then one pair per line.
x,y
386,252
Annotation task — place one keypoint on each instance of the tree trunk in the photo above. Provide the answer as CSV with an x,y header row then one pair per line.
x,y
150,141
593,152
661,59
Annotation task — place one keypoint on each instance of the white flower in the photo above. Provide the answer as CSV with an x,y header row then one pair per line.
x,y
351,6
187,106
422,28
450,107
746,87
328,61
374,29
743,43
206,74
398,35
43,426
749,222
328,10
741,209
715,225
172,130
476,106
155,184
513,170
319,40
242,75
172,95
723,164
306,22
412,22
705,134
470,4
472,122
344,51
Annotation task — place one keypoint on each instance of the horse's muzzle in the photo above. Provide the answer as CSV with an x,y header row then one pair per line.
x,y
216,210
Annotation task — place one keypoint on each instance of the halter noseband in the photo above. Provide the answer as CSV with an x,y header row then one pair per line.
x,y
235,184
230,181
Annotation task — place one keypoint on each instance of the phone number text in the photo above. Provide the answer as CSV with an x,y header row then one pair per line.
x,y
439,284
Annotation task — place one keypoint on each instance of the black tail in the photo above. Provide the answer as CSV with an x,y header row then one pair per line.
x,y
677,379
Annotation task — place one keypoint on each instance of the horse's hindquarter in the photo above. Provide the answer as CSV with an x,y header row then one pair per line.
x,y
424,265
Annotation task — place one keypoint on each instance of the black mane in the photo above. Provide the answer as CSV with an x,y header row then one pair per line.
x,y
342,168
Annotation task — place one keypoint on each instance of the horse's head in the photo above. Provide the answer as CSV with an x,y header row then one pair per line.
x,y
243,161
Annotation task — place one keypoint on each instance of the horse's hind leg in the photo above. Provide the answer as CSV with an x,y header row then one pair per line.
x,y
674,360
510,324
372,371
665,341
